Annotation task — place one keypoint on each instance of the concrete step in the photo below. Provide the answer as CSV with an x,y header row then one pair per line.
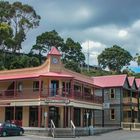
x,y
64,133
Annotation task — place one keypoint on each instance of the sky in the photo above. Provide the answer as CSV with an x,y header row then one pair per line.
x,y
95,24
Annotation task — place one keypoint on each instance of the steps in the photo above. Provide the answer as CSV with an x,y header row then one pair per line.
x,y
64,133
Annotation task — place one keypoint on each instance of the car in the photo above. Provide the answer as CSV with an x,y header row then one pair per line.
x,y
7,129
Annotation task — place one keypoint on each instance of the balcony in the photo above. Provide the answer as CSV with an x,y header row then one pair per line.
x,y
29,93
129,100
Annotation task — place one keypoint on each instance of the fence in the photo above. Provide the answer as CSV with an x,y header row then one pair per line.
x,y
130,126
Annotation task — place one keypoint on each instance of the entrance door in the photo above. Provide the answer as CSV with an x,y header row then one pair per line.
x,y
54,87
18,116
77,116
54,115
9,113
33,116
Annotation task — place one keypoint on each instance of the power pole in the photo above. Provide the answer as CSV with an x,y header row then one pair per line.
x,y
88,57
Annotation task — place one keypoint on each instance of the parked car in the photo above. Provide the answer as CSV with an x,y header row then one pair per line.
x,y
7,129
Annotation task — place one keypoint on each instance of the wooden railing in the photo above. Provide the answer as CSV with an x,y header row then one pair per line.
x,y
30,93
130,100
130,126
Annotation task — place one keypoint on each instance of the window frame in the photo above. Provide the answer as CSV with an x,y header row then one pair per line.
x,y
112,114
35,86
112,93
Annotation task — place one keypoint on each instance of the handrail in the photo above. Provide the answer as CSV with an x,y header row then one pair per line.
x,y
52,128
73,127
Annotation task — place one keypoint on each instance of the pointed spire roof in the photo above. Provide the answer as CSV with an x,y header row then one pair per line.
x,y
131,80
54,51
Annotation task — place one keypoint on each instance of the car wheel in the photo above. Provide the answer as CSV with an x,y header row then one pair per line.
x,y
4,133
20,133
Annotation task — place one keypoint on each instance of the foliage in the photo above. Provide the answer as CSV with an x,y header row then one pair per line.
x,y
72,65
45,41
21,18
114,58
5,34
72,52
13,61
137,59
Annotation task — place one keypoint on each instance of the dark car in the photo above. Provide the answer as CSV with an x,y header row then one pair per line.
x,y
7,129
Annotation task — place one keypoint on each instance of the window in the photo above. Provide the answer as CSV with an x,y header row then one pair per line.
x,y
112,93
112,114
36,86
20,87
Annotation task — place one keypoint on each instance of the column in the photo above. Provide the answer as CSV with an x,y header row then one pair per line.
x,y
46,115
39,115
72,114
72,88
25,120
82,114
103,109
14,118
40,87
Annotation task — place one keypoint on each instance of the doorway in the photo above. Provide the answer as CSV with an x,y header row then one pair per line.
x,y
77,116
54,87
9,113
54,115
33,116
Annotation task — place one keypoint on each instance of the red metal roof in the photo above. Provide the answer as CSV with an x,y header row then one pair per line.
x,y
54,51
138,82
79,77
131,80
34,75
110,81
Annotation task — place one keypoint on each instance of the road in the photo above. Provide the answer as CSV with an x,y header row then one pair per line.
x,y
116,135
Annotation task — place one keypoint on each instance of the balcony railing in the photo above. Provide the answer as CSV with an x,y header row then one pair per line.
x,y
30,93
128,100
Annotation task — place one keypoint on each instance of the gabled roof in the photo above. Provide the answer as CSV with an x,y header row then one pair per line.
x,y
54,51
110,81
131,80
138,82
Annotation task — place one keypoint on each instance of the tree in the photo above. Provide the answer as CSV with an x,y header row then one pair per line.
x,y
114,58
6,33
45,41
137,59
15,61
21,18
72,66
72,52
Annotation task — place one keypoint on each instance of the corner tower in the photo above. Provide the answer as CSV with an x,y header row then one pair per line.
x,y
54,59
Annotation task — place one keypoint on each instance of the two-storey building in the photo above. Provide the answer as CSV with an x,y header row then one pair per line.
x,y
120,100
34,96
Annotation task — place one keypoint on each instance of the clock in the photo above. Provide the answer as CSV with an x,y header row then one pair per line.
x,y
54,60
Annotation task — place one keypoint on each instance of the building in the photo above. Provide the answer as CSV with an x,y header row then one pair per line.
x,y
120,99
32,97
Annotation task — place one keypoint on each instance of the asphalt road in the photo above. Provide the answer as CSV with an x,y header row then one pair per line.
x,y
116,135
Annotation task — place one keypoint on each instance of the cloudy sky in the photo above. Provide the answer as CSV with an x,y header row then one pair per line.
x,y
98,24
